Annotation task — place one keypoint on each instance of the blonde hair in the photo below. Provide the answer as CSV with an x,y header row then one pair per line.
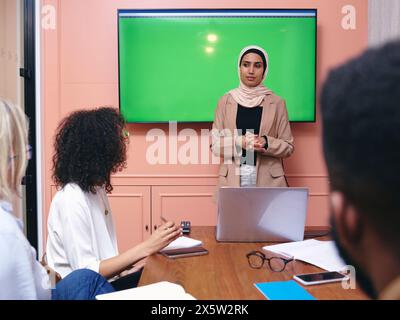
x,y
13,152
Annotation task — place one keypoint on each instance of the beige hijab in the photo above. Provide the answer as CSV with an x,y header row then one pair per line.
x,y
247,96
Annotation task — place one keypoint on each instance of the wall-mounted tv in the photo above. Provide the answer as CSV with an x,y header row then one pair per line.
x,y
174,65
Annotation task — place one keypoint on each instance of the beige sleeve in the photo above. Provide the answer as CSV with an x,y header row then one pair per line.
x,y
283,145
222,138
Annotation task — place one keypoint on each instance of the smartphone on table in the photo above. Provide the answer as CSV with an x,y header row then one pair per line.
x,y
320,277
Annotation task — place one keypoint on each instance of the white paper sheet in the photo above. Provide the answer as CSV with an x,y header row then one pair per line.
x,y
183,242
157,291
322,254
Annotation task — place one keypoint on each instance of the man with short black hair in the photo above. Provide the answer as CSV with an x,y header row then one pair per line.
x,y
360,106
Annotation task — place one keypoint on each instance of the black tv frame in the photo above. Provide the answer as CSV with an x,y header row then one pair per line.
x,y
315,10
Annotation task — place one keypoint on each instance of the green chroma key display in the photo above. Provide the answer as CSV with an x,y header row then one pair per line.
x,y
174,65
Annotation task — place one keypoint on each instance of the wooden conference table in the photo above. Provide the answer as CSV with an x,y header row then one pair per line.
x,y
224,274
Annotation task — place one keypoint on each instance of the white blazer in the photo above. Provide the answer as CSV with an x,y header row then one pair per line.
x,y
21,276
80,233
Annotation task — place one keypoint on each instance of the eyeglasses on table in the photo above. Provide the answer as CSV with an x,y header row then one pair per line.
x,y
256,260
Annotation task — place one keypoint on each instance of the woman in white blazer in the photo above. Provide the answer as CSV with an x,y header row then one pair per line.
x,y
90,146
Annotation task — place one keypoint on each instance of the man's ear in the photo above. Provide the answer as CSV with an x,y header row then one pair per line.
x,y
347,218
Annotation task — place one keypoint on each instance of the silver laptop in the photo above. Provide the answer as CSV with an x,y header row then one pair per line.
x,y
261,214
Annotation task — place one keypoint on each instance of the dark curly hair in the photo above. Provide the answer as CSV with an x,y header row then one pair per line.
x,y
89,147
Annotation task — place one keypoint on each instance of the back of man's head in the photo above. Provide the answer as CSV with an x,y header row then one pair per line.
x,y
360,106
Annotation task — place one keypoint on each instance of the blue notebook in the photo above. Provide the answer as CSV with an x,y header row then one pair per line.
x,y
286,290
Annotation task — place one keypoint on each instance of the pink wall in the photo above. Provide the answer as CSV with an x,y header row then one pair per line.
x,y
80,68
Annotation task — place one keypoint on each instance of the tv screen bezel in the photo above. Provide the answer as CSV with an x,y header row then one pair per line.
x,y
119,11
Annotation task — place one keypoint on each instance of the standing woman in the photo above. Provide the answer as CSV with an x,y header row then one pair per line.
x,y
90,146
251,131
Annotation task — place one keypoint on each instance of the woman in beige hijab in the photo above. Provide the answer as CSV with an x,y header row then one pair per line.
x,y
251,131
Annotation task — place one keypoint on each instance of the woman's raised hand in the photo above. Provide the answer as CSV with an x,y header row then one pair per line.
x,y
161,237
259,144
247,141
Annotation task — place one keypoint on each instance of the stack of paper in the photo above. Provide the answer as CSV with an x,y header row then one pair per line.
x,y
182,242
156,291
322,254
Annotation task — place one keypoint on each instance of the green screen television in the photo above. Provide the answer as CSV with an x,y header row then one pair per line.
x,y
174,65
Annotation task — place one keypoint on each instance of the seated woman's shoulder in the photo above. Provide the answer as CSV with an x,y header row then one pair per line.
x,y
70,192
8,223
11,234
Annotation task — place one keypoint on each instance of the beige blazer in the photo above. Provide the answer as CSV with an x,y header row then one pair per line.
x,y
274,124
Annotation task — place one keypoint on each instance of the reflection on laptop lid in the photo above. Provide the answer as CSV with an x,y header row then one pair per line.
x,y
261,214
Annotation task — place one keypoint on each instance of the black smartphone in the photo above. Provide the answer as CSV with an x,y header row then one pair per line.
x,y
184,252
319,278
